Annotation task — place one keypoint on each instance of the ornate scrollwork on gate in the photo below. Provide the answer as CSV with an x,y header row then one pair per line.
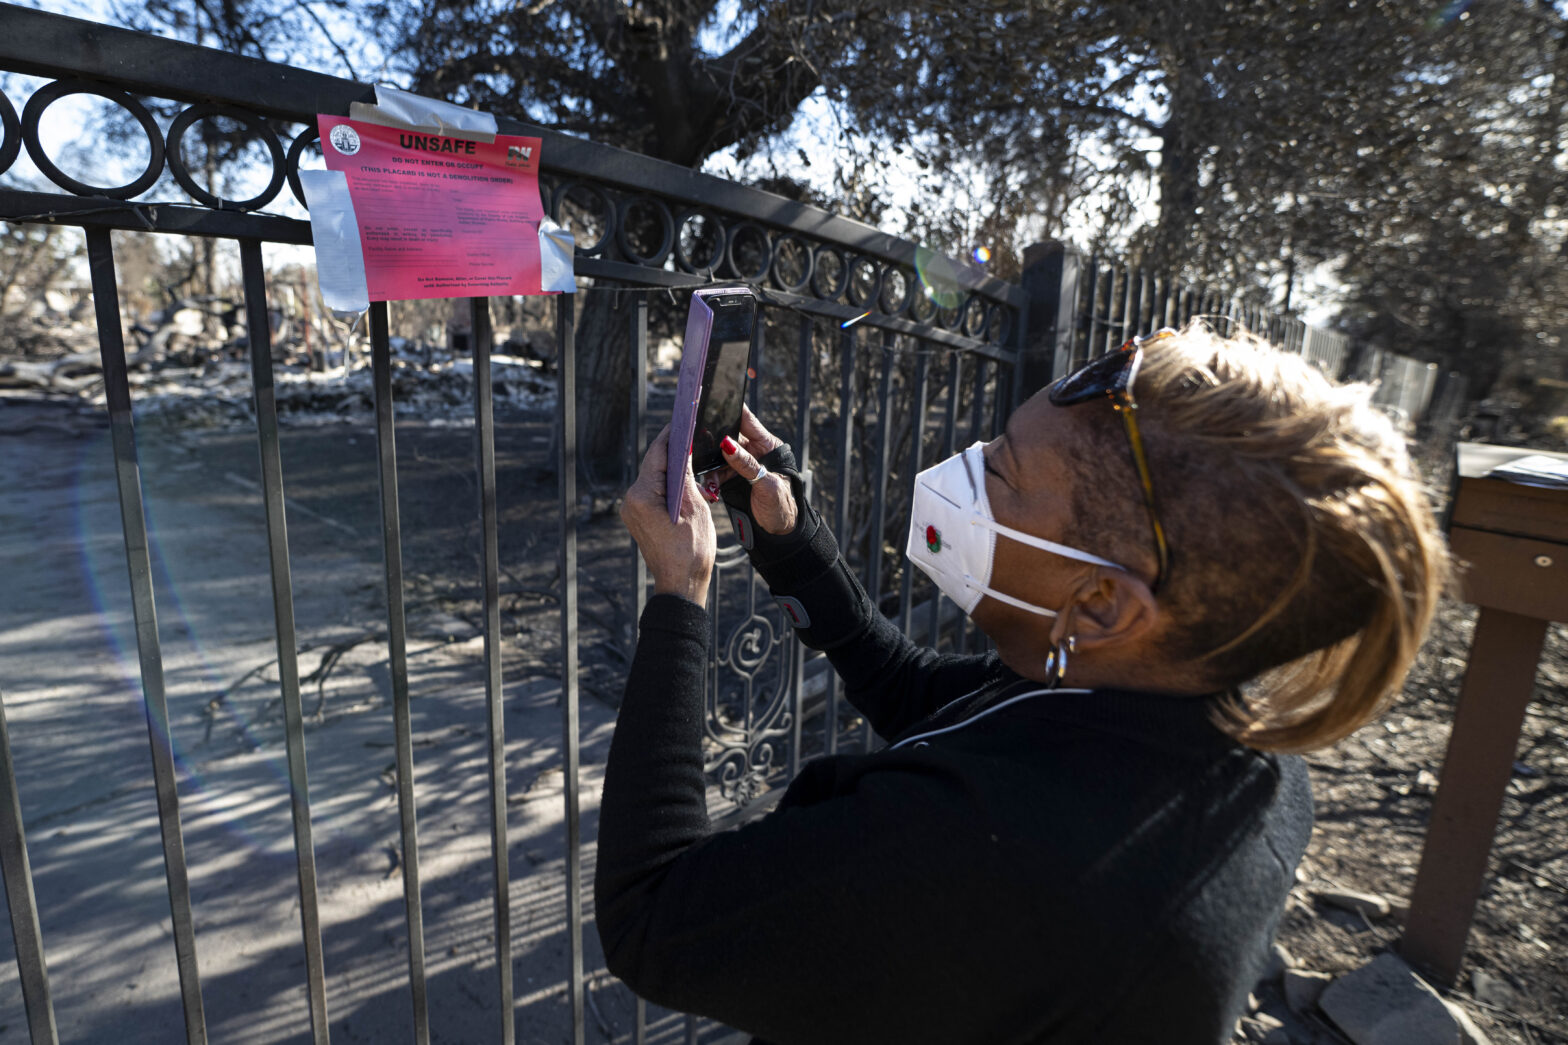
x,y
749,711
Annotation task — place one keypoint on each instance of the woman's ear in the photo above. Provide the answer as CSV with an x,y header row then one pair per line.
x,y
1109,608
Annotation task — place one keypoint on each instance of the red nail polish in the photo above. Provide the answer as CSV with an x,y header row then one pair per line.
x,y
728,445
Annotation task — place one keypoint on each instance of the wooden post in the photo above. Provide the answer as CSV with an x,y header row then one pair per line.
x,y
1480,760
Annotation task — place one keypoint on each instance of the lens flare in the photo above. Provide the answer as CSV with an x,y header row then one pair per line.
x,y
211,798
982,255
938,278
852,321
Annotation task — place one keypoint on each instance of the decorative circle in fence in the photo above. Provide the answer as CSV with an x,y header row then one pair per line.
x,y
11,138
49,94
760,250
972,319
186,119
563,196
693,228
831,264
921,308
792,254
947,317
865,282
297,151
897,290
626,223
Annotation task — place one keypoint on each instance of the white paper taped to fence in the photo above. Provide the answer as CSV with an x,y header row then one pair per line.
x,y
411,112
557,250
340,263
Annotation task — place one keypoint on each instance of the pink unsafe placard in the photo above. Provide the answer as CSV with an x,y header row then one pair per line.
x,y
440,217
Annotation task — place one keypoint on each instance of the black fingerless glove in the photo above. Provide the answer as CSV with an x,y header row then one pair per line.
x,y
803,569
766,548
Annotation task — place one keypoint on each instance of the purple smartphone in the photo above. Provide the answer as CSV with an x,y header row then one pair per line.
x,y
712,388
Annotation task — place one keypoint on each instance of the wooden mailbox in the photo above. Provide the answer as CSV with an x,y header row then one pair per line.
x,y
1513,536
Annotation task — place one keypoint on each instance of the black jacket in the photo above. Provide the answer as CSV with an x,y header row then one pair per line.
x,y
1100,867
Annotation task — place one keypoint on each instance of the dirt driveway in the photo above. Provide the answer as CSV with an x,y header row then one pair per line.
x,y
71,686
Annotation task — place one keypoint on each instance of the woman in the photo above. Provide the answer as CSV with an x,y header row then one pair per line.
x,y
1192,557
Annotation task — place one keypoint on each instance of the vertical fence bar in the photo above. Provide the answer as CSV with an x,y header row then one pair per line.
x,y
906,591
845,455
1092,313
1128,306
484,461
133,521
803,462
21,903
1070,308
803,395
397,658
1135,321
879,495
977,406
566,464
259,332
1108,325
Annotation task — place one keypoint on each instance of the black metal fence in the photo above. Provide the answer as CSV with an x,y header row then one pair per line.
x,y
937,355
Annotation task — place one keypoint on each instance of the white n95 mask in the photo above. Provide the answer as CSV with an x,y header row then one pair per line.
x,y
952,534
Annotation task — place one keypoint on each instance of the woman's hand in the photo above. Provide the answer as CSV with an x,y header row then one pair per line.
x,y
680,554
772,501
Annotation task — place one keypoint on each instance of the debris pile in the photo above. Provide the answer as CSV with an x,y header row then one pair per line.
x,y
1383,1001
178,376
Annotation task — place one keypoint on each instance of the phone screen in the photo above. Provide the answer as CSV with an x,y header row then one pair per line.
x,y
724,379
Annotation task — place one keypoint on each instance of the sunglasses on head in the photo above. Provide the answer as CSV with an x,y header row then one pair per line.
x,y
1111,377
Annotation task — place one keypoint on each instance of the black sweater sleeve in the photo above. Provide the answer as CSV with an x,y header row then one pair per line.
x,y
890,679
654,801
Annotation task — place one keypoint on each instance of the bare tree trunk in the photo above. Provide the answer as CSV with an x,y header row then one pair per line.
x,y
604,383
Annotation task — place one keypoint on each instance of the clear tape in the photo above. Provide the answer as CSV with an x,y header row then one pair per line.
x,y
557,249
412,112
340,262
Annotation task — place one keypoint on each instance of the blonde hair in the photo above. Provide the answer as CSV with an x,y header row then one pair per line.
x,y
1304,556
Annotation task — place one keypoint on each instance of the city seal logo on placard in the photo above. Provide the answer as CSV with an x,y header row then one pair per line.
x,y
345,139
